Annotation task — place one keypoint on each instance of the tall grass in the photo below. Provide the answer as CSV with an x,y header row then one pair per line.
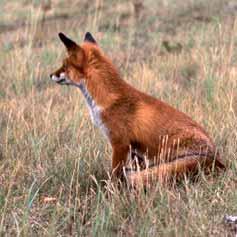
x,y
54,164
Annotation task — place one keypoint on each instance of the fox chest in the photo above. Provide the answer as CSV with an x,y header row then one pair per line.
x,y
94,110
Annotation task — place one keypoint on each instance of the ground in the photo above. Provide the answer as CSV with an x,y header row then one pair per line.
x,y
54,164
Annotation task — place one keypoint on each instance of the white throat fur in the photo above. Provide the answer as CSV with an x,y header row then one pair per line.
x,y
94,109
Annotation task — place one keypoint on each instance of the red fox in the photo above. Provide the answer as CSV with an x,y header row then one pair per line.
x,y
133,120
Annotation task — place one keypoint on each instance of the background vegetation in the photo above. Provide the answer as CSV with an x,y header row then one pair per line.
x,y
53,161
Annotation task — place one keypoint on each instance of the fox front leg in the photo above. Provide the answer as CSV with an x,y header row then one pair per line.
x,y
120,153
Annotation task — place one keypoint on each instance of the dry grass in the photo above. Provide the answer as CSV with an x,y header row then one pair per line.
x,y
49,148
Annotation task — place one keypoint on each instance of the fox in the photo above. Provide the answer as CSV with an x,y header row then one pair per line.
x,y
135,123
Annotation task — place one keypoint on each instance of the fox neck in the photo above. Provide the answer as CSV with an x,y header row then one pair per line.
x,y
94,109
99,93
103,87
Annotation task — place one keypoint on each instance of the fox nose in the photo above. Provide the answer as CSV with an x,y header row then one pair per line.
x,y
51,75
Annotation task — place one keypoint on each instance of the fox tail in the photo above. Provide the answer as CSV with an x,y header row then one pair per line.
x,y
166,171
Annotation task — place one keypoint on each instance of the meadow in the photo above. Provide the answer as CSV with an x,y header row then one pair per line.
x,y
54,163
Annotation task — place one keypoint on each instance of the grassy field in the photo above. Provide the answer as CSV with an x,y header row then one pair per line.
x,y
54,164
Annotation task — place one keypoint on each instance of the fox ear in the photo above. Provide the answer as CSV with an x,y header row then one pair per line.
x,y
67,42
89,38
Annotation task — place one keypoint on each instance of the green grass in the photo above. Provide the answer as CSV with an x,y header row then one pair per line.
x,y
49,147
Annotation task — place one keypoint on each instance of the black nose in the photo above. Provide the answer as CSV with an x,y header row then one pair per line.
x,y
50,75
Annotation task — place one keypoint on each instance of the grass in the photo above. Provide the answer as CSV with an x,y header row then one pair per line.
x,y
50,149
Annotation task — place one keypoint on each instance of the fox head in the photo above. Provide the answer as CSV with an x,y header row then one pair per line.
x,y
74,67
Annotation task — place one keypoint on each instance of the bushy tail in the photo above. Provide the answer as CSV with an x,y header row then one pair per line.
x,y
166,171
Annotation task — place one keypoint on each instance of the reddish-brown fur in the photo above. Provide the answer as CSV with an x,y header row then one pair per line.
x,y
139,121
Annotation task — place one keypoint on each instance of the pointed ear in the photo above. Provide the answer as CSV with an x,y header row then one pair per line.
x,y
89,38
69,44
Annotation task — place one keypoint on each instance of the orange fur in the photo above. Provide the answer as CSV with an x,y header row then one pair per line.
x,y
137,120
